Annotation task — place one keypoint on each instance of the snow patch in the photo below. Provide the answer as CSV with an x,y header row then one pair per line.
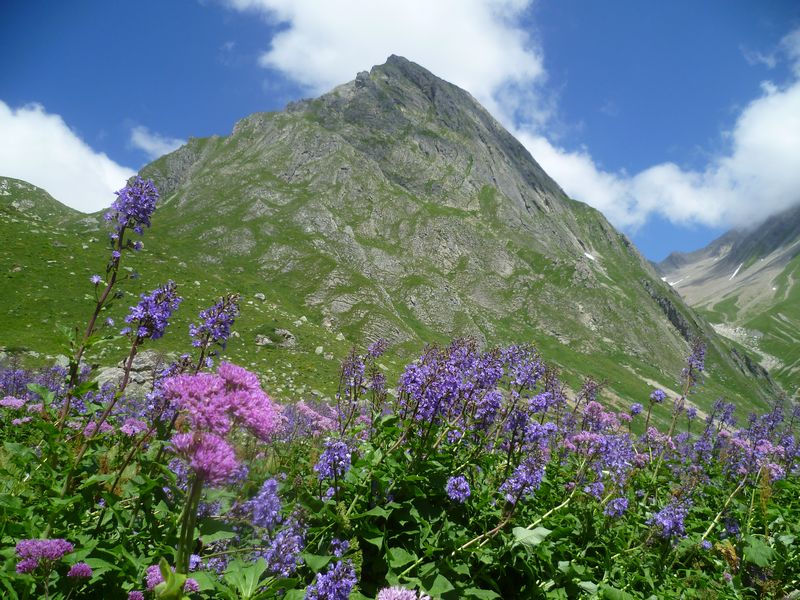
x,y
735,272
674,283
589,256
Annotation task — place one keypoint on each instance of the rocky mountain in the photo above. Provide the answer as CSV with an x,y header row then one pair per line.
x,y
747,283
396,206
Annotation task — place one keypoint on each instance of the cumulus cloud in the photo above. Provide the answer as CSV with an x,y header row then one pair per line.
x,y
756,178
476,44
40,148
485,50
154,145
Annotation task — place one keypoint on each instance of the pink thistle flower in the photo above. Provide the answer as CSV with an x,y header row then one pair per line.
x,y
12,402
80,571
209,456
202,397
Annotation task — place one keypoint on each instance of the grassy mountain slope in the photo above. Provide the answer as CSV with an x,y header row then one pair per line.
x,y
396,206
748,284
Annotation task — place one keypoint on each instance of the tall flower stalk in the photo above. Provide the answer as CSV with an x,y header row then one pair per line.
x,y
130,212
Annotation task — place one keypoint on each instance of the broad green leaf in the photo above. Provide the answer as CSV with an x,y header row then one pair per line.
x,y
249,577
530,537
399,557
375,541
441,585
480,594
316,562
757,551
376,511
588,586
608,592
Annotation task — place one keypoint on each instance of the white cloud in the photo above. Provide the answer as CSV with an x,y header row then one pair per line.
x,y
472,43
481,46
758,177
154,145
40,148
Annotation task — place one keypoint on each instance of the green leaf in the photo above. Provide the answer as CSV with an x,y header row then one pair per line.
x,y
530,537
757,551
246,578
375,541
441,585
608,592
100,566
377,511
588,586
316,562
480,594
399,557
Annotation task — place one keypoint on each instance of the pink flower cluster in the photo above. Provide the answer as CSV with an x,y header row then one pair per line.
x,y
34,552
213,406
12,402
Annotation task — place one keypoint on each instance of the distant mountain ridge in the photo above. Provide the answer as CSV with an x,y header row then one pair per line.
x,y
746,282
396,206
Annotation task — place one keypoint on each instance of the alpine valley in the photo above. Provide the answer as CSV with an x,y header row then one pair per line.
x,y
747,283
396,206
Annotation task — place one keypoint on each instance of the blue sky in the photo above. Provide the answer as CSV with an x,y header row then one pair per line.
x,y
677,119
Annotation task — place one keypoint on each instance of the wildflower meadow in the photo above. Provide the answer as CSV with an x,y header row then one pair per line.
x,y
478,474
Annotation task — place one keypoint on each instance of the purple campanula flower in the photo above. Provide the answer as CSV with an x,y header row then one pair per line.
x,y
616,508
658,396
283,553
525,479
705,545
135,595
335,583
670,520
457,489
595,489
216,322
194,562
134,206
334,461
96,279
377,348
339,547
695,364
265,507
636,408
149,318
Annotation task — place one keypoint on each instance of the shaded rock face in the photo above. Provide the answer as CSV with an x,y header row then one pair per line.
x,y
397,206
146,365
